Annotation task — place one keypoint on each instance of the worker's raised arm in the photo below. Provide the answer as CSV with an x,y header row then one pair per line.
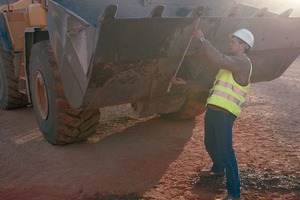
x,y
234,63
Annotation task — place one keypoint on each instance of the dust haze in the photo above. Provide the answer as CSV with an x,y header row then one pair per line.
x,y
277,6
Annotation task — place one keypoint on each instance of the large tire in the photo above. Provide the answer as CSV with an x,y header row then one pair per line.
x,y
58,121
193,106
10,97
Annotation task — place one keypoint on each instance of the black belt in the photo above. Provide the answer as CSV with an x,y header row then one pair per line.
x,y
217,108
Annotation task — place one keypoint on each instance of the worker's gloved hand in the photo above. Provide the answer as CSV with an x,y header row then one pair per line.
x,y
198,34
178,81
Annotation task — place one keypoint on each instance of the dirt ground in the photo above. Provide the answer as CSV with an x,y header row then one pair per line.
x,y
157,159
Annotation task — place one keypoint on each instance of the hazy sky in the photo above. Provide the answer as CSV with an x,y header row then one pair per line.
x,y
275,5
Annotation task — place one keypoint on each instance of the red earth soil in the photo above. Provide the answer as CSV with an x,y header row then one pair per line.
x,y
157,159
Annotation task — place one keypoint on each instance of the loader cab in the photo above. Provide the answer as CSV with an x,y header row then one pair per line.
x,y
19,22
21,15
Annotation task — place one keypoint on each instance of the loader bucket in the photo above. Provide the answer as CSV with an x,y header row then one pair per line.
x,y
97,45
116,52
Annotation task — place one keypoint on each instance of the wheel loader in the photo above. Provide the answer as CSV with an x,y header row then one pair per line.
x,y
68,58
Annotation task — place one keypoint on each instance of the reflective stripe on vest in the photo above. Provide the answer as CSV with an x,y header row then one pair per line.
x,y
230,86
227,96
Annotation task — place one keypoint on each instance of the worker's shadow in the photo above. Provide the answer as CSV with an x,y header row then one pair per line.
x,y
135,159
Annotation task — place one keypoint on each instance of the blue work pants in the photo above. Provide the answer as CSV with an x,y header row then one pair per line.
x,y
218,143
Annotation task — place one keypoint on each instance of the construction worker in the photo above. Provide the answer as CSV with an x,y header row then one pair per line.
x,y
224,104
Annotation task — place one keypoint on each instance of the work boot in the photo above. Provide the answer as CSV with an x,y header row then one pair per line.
x,y
209,173
229,197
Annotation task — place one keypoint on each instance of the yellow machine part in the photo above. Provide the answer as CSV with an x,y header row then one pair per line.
x,y
16,23
20,6
24,14
37,15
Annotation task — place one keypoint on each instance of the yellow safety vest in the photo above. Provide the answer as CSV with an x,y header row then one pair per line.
x,y
227,93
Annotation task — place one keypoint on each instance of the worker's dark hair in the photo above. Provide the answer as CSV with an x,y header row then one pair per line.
x,y
247,49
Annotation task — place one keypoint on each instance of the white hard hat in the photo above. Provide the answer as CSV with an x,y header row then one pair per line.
x,y
245,35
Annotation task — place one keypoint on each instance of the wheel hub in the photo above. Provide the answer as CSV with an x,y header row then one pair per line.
x,y
41,95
